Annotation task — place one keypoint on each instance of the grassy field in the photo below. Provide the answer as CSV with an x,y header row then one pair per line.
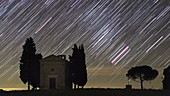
x,y
87,92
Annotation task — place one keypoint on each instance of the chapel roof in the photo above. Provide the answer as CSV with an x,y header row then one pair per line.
x,y
60,58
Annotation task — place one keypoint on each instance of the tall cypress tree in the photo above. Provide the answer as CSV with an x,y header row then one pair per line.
x,y
29,64
82,69
73,66
78,67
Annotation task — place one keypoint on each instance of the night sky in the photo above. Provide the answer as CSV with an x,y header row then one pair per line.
x,y
117,34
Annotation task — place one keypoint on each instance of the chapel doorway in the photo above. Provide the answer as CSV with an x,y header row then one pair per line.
x,y
52,83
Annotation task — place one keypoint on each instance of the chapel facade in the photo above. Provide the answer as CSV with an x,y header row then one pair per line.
x,y
54,73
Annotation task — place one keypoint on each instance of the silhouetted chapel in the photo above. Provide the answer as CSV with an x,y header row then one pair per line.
x,y
54,73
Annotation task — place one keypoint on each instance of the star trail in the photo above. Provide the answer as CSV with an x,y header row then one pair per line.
x,y
117,34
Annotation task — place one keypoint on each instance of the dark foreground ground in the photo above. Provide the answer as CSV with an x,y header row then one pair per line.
x,y
88,92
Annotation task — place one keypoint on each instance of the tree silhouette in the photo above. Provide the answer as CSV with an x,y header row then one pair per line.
x,y
78,66
74,66
35,82
82,68
166,80
141,74
29,64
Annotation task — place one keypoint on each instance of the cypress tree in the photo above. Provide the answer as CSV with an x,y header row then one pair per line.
x,y
29,64
83,71
78,67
